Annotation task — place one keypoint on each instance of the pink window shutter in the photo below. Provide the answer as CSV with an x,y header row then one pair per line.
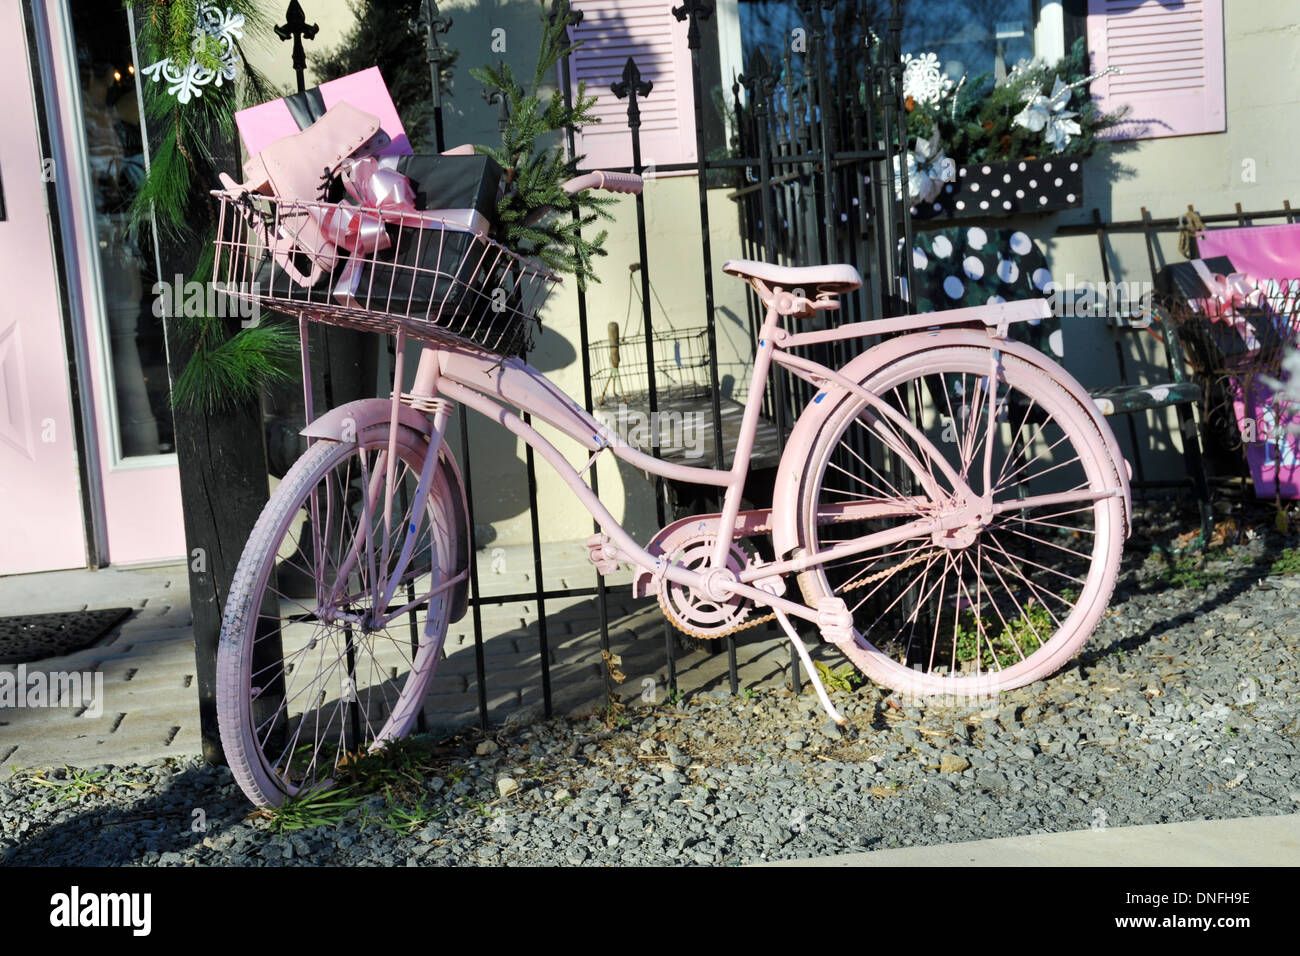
x,y
1171,55
647,31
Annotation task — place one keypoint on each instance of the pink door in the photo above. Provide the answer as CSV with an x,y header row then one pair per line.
x,y
40,502
97,137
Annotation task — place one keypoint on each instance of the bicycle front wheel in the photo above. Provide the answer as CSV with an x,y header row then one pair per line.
x,y
994,604
311,670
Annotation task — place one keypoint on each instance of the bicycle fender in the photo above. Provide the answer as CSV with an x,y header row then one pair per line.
x,y
344,423
785,494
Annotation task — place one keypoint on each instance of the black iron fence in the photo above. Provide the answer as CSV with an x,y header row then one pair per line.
x,y
811,172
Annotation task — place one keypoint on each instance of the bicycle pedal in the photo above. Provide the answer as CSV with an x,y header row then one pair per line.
x,y
598,552
835,621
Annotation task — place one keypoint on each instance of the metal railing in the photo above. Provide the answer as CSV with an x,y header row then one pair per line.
x,y
801,150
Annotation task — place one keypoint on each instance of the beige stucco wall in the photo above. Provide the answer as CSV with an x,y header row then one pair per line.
x,y
1211,172
1164,175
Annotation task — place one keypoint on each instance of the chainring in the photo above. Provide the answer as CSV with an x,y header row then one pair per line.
x,y
692,611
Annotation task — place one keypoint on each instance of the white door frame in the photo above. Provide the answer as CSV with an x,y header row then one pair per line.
x,y
129,495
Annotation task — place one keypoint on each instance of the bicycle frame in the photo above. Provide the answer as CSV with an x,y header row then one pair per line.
x,y
491,386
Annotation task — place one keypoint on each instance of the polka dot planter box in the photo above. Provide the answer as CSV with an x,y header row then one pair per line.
x,y
1006,189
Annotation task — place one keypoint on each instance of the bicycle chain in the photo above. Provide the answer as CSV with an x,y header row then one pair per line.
x,y
691,632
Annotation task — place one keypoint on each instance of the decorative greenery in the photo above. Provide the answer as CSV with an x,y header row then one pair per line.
x,y
844,678
1287,562
976,118
320,808
1016,640
534,162
382,37
226,366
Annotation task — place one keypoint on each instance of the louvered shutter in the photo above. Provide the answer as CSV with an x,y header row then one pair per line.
x,y
647,31
1171,55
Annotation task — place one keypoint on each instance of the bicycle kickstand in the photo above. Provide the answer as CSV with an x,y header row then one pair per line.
x,y
791,633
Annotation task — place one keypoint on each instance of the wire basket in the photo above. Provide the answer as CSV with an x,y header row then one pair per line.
x,y
437,280
1242,340
619,366
1237,350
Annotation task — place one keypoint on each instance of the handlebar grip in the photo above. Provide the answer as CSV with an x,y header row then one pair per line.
x,y
614,182
621,182
613,345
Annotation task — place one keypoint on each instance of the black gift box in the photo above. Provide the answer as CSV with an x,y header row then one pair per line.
x,y
1181,280
401,278
448,278
464,183
453,182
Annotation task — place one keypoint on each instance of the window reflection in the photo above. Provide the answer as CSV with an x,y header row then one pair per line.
x,y
969,36
115,156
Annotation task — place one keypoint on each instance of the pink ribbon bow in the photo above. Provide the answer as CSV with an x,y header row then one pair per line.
x,y
1230,293
383,196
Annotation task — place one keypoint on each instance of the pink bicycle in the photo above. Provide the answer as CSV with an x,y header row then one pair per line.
x,y
950,505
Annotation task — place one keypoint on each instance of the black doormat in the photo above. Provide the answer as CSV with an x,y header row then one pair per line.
x,y
34,637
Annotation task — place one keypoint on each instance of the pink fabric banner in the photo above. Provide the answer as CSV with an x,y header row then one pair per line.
x,y
1265,252
1272,450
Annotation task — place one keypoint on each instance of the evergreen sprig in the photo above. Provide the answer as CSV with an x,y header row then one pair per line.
x,y
535,164
976,121
227,366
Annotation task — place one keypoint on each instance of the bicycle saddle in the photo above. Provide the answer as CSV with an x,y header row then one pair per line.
x,y
815,281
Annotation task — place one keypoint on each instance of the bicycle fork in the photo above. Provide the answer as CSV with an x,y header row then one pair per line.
x,y
422,396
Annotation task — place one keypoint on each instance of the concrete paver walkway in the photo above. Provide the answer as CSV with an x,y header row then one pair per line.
x,y
147,663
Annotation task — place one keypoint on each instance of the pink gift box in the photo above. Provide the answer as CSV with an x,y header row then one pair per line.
x,y
261,125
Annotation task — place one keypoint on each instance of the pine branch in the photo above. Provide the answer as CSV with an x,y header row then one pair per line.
x,y
535,164
223,369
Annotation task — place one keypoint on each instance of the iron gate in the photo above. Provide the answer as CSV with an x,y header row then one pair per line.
x,y
804,155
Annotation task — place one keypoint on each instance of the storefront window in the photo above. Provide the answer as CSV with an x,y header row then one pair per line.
x,y
969,36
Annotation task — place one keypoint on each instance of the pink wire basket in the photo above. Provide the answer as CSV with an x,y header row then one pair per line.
x,y
376,270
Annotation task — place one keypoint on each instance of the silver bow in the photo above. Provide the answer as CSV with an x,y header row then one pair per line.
x,y
1048,115
927,170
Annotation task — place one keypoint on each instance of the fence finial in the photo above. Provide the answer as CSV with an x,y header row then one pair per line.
x,y
296,28
632,85
697,10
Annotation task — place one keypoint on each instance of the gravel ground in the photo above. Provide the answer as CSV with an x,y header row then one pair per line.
x,y
1185,705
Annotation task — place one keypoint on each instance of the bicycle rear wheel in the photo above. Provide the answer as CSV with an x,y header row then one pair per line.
x,y
306,683
991,606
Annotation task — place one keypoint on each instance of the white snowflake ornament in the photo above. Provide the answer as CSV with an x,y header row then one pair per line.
x,y
186,80
923,79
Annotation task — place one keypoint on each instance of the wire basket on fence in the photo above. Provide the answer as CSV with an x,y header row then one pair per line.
x,y
1238,349
1245,339
619,370
434,279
